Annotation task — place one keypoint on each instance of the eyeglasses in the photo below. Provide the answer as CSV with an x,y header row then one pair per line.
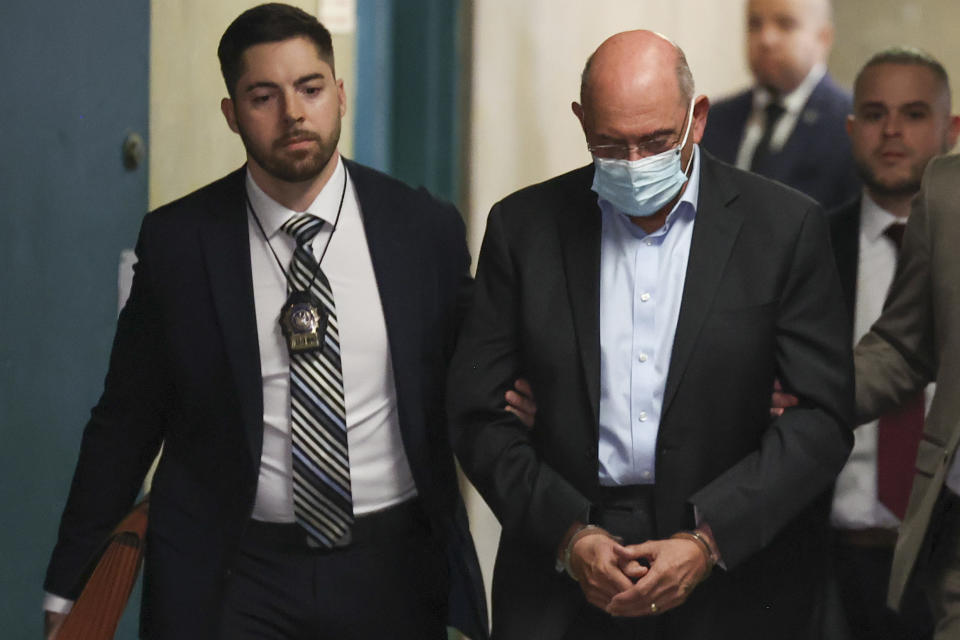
x,y
651,147
624,151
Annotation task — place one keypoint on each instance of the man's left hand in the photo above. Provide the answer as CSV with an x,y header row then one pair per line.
x,y
677,565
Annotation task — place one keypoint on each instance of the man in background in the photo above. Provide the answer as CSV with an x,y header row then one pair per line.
x,y
790,125
290,354
901,119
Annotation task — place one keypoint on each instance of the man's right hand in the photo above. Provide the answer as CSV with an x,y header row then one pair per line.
x,y
51,624
780,400
596,564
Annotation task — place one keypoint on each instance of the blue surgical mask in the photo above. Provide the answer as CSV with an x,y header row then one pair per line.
x,y
640,188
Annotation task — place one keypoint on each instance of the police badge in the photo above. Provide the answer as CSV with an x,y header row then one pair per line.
x,y
303,322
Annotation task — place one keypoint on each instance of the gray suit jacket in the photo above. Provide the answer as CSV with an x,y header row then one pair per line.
x,y
914,342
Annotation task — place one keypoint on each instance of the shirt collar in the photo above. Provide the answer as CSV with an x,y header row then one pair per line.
x,y
272,214
794,101
874,219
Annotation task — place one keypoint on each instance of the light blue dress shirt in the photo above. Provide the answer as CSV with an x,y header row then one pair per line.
x,y
641,284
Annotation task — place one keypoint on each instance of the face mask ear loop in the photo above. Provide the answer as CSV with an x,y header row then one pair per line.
x,y
686,133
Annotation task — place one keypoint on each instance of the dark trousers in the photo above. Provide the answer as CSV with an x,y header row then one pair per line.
x,y
389,582
862,573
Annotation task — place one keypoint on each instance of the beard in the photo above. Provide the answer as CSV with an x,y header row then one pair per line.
x,y
891,187
301,165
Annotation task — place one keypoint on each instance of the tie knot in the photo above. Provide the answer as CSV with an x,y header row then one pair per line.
x,y
773,112
303,227
895,232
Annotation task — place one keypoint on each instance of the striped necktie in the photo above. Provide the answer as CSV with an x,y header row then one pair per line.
x,y
322,501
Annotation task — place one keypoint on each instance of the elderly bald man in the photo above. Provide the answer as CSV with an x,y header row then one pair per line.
x,y
651,298
790,125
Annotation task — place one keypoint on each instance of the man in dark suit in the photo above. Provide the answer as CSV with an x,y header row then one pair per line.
x,y
651,298
306,487
901,119
789,126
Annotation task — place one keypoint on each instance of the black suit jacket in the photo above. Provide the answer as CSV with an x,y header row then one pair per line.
x,y
845,239
816,158
185,371
761,300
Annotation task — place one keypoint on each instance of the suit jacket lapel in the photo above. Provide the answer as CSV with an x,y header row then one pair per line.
x,y
580,230
807,132
714,232
396,267
226,248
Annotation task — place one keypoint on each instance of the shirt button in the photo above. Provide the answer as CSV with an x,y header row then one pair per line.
x,y
644,297
643,416
649,243
642,357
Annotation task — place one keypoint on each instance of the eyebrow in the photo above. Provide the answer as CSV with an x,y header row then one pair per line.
x,y
265,84
883,105
659,133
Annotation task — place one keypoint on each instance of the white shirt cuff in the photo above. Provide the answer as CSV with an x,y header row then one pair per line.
x,y
56,604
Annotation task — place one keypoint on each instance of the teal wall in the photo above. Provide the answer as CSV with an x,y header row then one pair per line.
x,y
75,79
410,88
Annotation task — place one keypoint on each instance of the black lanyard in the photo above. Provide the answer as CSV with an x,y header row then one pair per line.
x,y
286,274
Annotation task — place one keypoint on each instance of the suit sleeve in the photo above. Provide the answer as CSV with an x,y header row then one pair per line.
x,y
896,358
801,452
119,442
532,501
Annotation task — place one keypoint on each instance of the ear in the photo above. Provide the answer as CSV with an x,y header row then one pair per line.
x,y
578,111
952,132
700,108
848,124
342,97
825,36
229,112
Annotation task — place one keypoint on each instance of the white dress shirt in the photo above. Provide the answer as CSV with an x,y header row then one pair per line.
x,y
793,104
855,503
641,284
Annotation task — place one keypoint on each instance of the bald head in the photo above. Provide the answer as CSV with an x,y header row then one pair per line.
x,y
635,60
786,38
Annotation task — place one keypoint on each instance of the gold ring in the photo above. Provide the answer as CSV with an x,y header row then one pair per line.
x,y
653,607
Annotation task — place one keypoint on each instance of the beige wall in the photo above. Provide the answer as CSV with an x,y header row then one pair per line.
x,y
866,26
190,144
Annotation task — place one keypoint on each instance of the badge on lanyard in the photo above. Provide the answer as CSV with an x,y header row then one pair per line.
x,y
303,322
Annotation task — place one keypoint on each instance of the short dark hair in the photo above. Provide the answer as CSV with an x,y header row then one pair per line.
x,y
909,56
273,22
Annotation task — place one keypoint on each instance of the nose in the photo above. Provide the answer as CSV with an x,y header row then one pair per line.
x,y
292,108
767,35
892,125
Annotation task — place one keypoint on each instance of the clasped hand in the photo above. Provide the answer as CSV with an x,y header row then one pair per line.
x,y
627,580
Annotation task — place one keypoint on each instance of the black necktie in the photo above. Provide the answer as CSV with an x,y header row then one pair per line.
x,y
894,231
771,114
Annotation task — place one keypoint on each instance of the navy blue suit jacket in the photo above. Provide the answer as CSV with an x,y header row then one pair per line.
x,y
816,158
185,371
